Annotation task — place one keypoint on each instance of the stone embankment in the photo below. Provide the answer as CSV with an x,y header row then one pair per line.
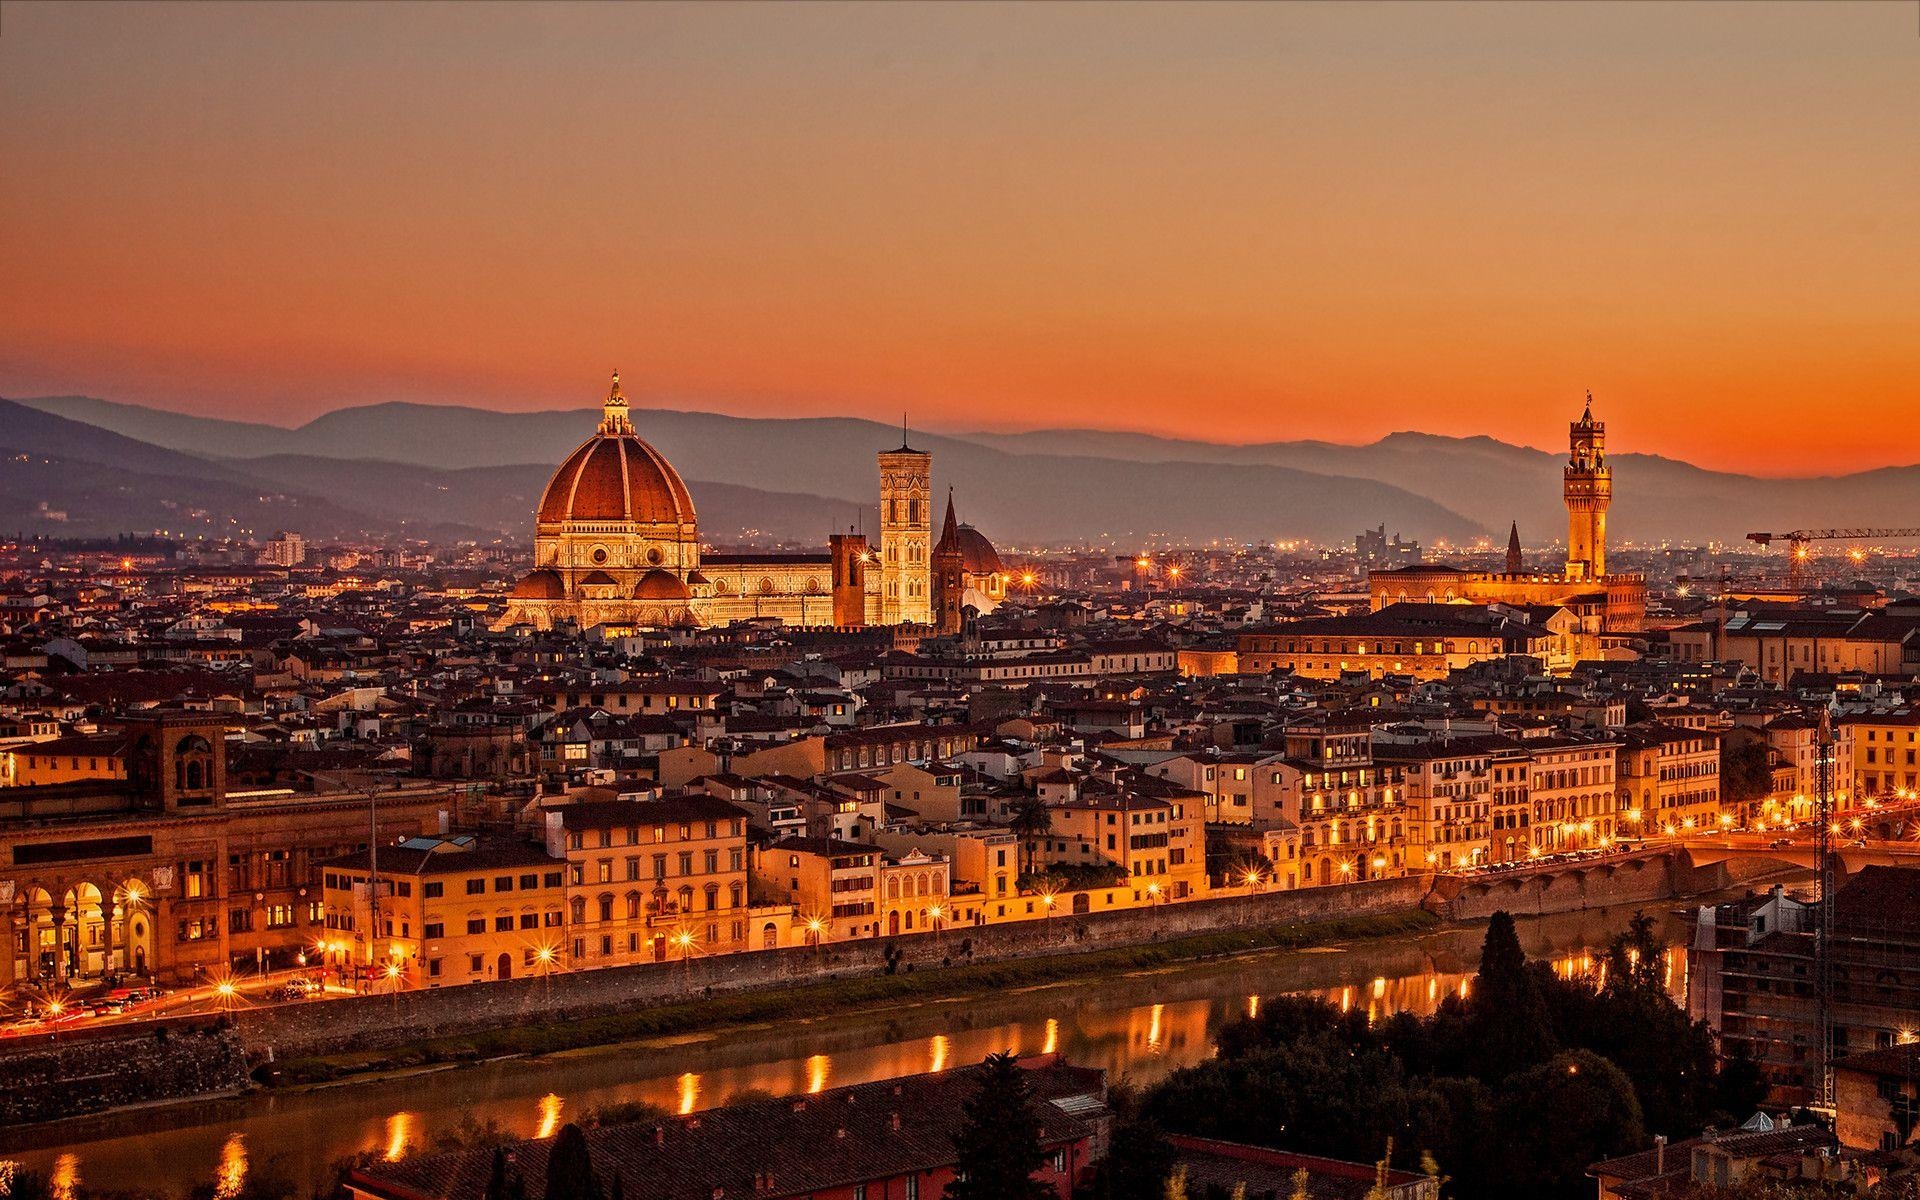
x,y
109,1068
94,1070
374,1022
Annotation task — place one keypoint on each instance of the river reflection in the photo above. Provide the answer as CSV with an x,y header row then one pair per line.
x,y
1140,1026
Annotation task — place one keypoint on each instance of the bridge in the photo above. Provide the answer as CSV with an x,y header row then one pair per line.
x,y
1850,854
1641,875
1669,869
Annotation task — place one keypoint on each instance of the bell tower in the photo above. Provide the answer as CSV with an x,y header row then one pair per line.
x,y
906,534
1588,487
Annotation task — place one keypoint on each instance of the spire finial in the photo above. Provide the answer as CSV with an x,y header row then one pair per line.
x,y
1588,415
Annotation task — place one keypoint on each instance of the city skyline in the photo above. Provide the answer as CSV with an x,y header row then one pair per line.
x,y
1228,224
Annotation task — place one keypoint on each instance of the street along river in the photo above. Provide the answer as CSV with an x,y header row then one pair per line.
x,y
1140,1025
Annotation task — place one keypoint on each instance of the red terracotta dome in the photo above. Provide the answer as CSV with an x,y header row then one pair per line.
x,y
978,553
599,579
661,585
615,476
543,584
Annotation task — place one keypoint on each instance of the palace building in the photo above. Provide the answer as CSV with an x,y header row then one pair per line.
x,y
617,542
1602,602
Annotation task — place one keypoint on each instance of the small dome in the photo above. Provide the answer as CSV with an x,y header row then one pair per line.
x,y
543,584
661,585
696,579
599,579
978,553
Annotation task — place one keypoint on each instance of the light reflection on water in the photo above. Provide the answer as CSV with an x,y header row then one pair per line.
x,y
1142,1026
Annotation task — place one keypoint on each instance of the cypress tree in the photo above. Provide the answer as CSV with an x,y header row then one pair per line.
x,y
570,1167
1507,1016
999,1142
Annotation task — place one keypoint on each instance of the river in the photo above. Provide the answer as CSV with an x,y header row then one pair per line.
x,y
1139,1026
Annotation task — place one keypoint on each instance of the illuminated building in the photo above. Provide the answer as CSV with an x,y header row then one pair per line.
x,y
967,574
1603,603
617,543
172,871
450,910
650,880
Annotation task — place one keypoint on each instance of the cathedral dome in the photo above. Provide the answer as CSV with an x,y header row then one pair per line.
x,y
661,585
615,476
543,584
978,553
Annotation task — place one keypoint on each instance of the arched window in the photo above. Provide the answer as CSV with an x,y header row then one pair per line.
x,y
713,896
633,905
579,910
686,899
606,908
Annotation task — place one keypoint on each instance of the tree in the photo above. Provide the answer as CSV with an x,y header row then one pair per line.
x,y
1139,1157
1746,771
1030,818
570,1167
1507,1023
1557,1118
998,1143
503,1178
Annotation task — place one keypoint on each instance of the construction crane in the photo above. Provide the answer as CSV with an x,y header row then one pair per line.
x,y
1798,554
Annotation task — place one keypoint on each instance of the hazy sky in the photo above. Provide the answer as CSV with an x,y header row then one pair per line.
x,y
1230,222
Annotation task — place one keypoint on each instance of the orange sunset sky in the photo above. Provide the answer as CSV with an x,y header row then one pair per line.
x,y
1229,222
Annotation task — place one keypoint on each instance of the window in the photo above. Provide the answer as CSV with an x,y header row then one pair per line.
x,y
433,968
477,925
476,887
503,924
529,920
240,920
529,882
503,883
433,890
433,929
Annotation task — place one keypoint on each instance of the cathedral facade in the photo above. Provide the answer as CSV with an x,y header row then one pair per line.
x,y
1602,602
617,543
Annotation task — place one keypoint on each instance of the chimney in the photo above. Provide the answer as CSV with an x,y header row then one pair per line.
x,y
1660,1154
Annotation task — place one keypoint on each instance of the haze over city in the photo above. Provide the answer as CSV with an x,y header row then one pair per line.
x,y
1235,223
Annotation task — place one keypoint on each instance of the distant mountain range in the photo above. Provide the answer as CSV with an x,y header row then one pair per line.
x,y
480,468
442,469
70,478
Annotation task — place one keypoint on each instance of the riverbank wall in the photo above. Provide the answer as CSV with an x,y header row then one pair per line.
x,y
376,1022
89,1071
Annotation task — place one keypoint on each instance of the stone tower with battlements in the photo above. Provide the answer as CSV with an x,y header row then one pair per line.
x,y
1588,487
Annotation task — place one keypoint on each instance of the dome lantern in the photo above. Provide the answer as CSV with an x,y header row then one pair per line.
x,y
613,417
